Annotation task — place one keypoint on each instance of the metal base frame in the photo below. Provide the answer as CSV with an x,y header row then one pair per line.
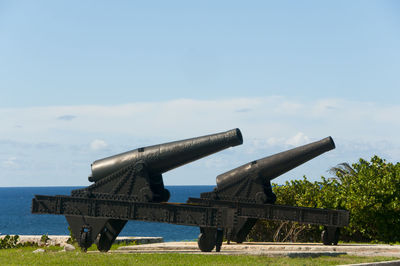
x,y
100,221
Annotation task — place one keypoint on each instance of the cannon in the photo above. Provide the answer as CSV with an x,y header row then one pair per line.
x,y
136,176
129,186
250,183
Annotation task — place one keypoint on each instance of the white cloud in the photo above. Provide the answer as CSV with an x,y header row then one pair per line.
x,y
273,117
10,162
98,144
298,139
274,141
47,146
66,117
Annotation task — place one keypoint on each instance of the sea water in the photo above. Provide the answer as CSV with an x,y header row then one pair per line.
x,y
16,217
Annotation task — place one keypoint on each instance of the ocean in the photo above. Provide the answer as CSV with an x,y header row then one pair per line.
x,y
16,217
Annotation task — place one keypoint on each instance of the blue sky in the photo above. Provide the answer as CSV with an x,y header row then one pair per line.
x,y
81,80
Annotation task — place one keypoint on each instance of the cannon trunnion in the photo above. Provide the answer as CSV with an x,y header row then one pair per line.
x,y
129,186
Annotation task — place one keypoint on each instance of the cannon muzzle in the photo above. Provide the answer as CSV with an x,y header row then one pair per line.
x,y
164,157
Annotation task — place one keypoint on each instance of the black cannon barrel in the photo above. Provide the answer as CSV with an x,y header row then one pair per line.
x,y
273,166
164,157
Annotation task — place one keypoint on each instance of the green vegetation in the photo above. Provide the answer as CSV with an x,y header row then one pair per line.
x,y
369,190
113,247
53,256
44,238
9,242
71,239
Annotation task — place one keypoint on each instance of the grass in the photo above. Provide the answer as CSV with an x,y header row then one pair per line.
x,y
113,247
53,256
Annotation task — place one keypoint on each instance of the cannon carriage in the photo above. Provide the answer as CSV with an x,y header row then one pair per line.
x,y
129,186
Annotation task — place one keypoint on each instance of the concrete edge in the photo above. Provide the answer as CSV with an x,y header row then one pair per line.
x,y
382,263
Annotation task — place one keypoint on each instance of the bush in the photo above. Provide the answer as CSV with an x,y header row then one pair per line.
x,y
71,239
369,190
44,239
9,242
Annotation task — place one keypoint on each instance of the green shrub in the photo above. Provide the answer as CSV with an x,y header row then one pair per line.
x,y
44,239
369,190
71,239
9,242
13,242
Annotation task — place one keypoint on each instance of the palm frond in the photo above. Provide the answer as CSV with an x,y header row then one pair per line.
x,y
343,169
